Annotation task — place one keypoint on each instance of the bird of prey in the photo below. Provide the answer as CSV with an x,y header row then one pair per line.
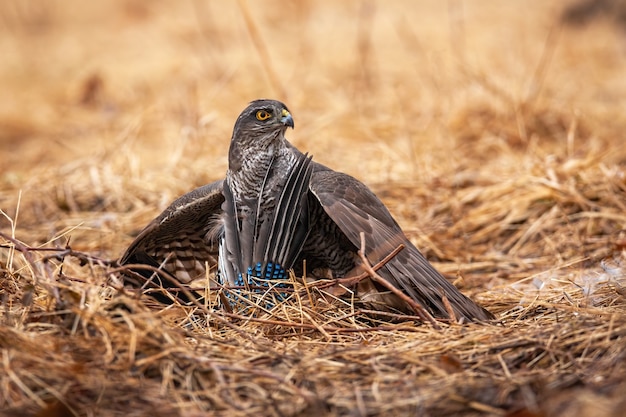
x,y
278,210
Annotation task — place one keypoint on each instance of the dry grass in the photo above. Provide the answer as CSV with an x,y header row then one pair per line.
x,y
494,134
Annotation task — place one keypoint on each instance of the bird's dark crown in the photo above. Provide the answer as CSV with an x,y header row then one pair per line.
x,y
263,116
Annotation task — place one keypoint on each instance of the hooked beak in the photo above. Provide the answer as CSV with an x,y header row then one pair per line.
x,y
286,118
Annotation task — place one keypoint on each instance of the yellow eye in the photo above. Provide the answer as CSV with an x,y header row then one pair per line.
x,y
263,115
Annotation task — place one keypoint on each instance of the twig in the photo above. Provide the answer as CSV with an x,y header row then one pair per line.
x,y
58,254
448,307
419,310
305,283
26,251
350,281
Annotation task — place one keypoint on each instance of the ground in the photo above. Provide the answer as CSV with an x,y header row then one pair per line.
x,y
493,131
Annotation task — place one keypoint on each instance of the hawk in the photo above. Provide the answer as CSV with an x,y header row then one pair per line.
x,y
278,210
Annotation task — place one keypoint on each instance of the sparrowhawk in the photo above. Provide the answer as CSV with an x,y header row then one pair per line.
x,y
278,210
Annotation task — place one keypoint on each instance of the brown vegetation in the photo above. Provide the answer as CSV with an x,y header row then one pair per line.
x,y
494,134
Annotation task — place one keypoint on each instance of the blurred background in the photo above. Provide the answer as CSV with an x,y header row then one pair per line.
x,y
396,78
108,105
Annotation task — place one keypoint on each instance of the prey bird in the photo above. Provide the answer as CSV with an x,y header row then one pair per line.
x,y
278,210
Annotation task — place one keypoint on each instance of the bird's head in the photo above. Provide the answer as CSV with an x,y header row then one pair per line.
x,y
261,124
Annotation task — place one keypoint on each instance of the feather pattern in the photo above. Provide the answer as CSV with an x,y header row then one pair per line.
x,y
180,242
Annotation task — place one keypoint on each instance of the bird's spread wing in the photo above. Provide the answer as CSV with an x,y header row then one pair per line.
x,y
181,241
355,209
264,243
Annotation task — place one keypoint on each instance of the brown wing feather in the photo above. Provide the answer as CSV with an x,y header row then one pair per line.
x,y
355,209
182,238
